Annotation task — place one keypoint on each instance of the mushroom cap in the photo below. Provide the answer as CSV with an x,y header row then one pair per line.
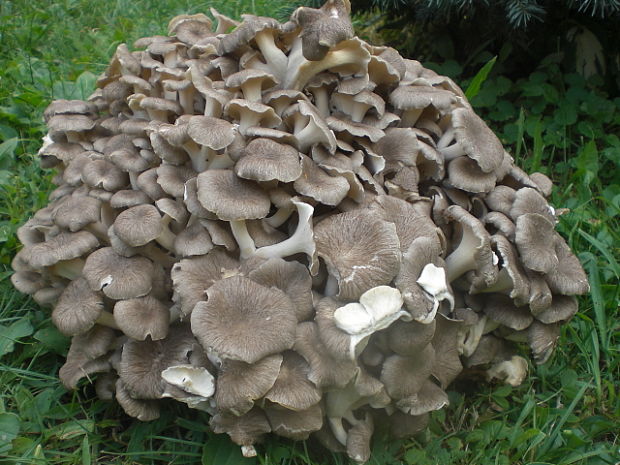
x,y
143,410
74,213
404,377
239,384
243,320
292,278
347,239
143,361
325,370
117,276
191,277
266,160
323,28
211,132
295,424
420,97
501,308
142,317
244,430
464,173
477,139
231,198
447,364
292,389
562,309
138,225
535,241
77,309
63,247
568,278
317,184
407,338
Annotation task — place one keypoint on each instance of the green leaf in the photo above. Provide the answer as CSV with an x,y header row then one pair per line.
x,y
219,450
7,151
479,78
9,429
86,457
10,334
53,340
85,85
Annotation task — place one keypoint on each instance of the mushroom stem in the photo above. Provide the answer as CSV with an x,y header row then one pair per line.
x,y
409,117
219,161
244,240
167,237
248,451
133,180
321,101
302,239
461,260
276,59
107,319
331,286
70,269
445,139
252,91
279,217
452,151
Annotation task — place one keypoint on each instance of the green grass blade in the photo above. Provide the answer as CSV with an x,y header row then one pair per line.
x,y
557,430
479,78
604,250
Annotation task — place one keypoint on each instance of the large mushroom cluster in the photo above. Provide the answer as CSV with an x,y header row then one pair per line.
x,y
291,229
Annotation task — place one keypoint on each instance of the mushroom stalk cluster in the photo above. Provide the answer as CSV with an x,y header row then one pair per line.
x,y
290,229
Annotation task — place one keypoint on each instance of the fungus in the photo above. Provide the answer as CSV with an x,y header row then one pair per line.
x,y
292,230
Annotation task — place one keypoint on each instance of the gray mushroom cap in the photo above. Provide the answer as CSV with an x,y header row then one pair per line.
x,y
243,320
78,308
220,191
347,239
268,160
191,277
117,276
292,389
534,238
325,370
63,247
324,27
138,225
292,278
317,184
142,317
239,384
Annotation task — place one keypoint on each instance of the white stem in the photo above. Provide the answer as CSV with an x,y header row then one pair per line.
x,y
244,240
452,151
331,286
461,260
409,117
321,101
445,139
279,217
276,59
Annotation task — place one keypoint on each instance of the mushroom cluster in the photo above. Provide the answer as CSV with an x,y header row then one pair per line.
x,y
292,230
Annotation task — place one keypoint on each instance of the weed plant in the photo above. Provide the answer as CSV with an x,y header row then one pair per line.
x,y
566,412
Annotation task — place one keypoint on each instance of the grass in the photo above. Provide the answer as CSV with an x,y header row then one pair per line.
x,y
567,411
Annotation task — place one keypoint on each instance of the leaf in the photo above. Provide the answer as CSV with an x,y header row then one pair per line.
x,y
479,78
9,429
7,151
9,335
85,85
53,340
86,457
219,450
